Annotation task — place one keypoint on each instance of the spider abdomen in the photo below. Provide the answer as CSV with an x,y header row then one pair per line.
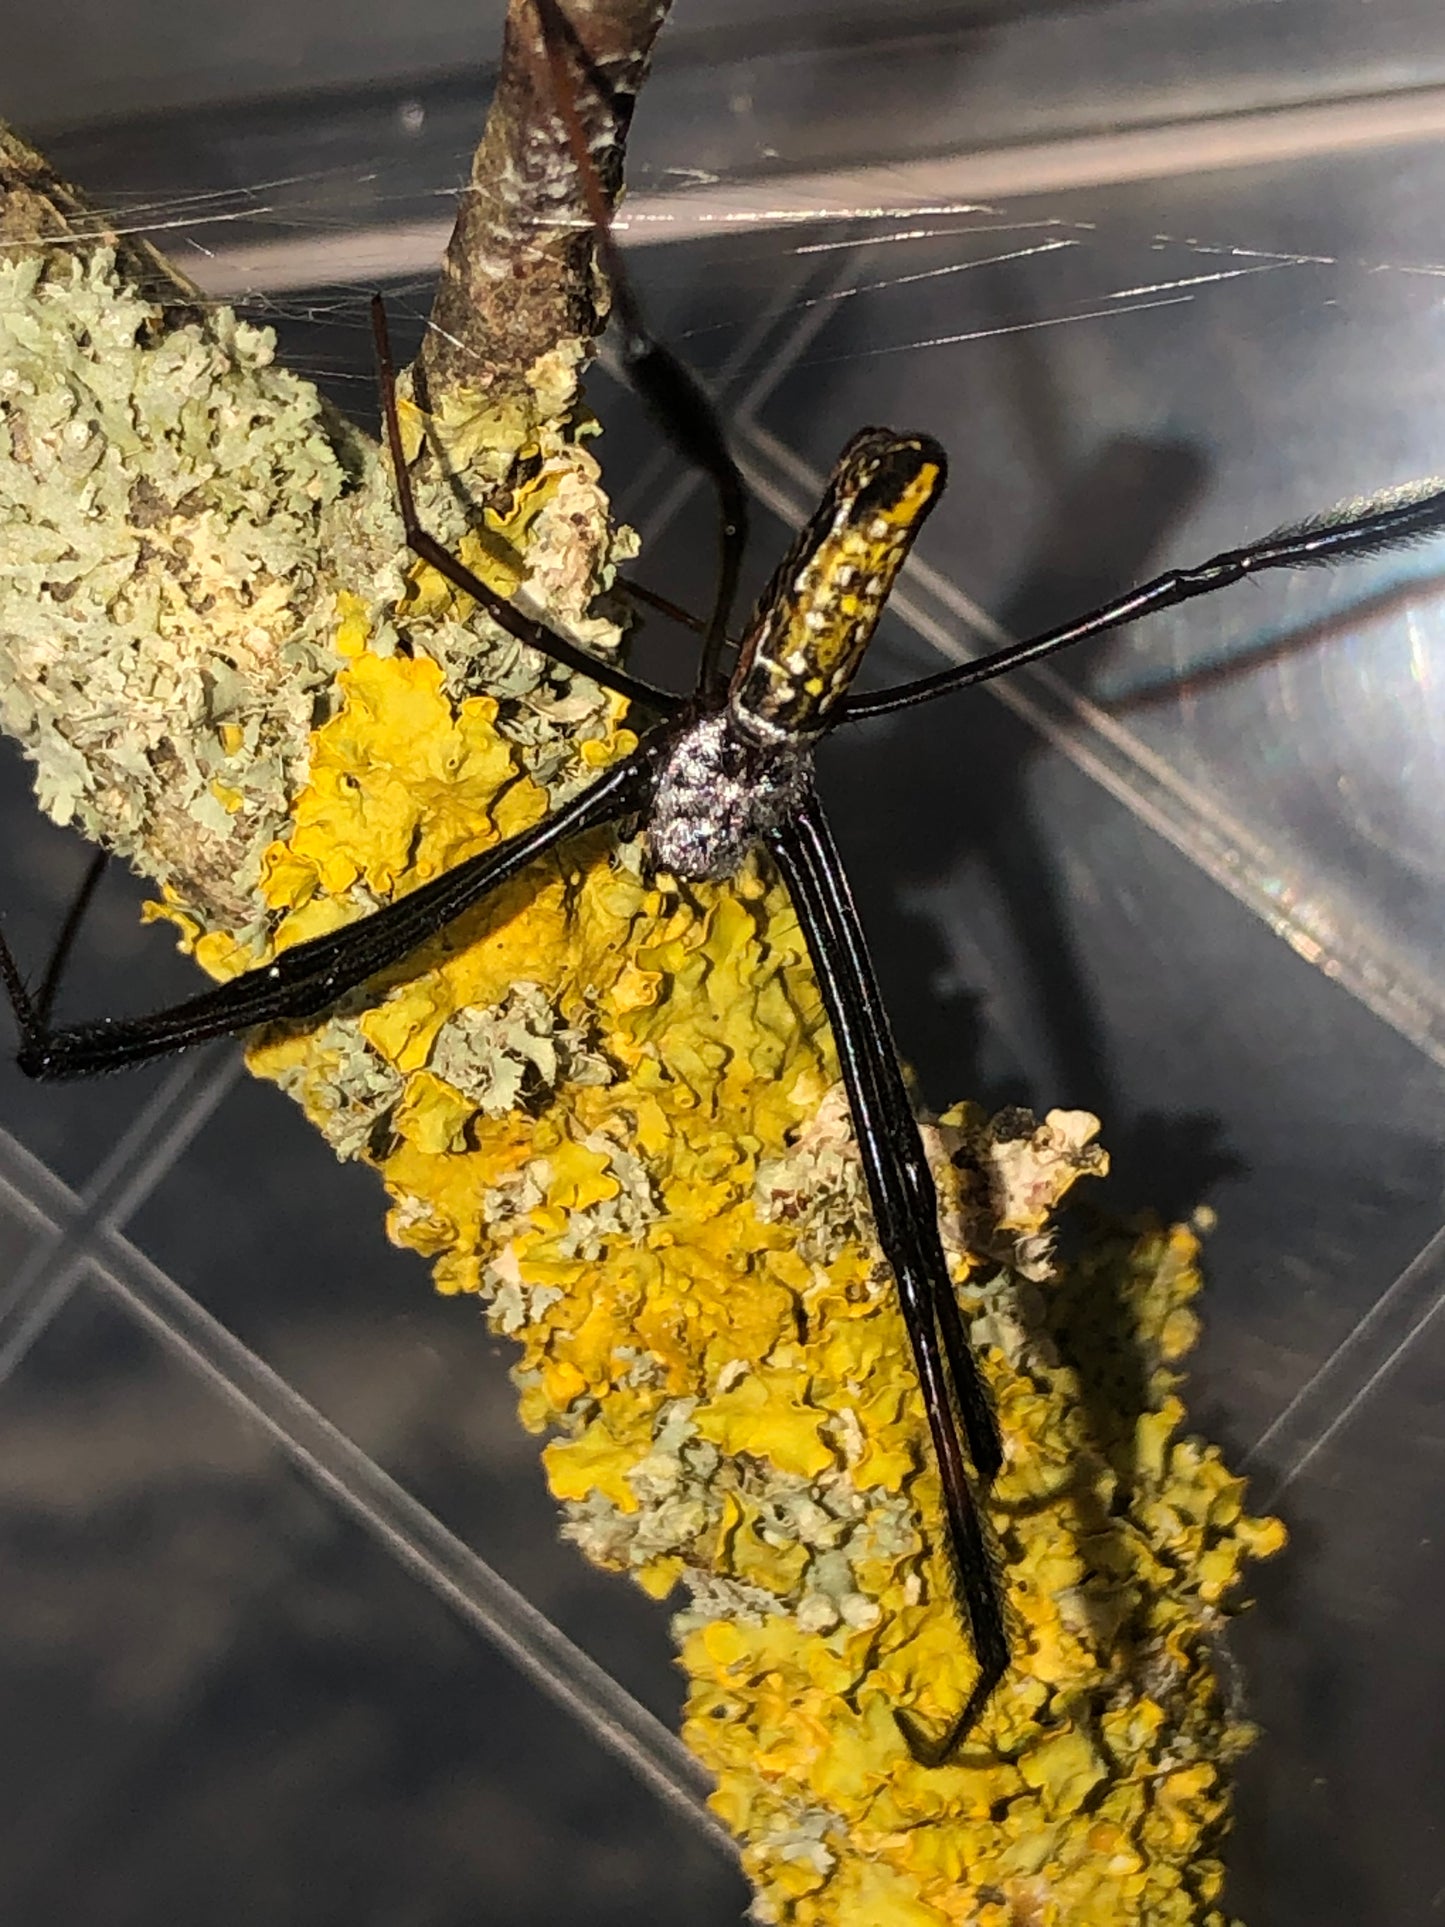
x,y
721,787
816,618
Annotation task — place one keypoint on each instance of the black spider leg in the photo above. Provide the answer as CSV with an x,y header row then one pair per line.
x,y
885,1098
670,390
664,605
524,628
1390,521
905,1210
308,978
43,1001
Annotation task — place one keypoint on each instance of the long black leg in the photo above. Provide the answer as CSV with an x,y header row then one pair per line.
x,y
885,1098
304,980
536,635
44,1000
1390,521
905,1211
639,592
669,388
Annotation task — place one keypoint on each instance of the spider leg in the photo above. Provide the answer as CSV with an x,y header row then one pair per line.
x,y
885,1098
905,1211
524,628
675,396
980,1421
640,592
1393,520
305,980
44,999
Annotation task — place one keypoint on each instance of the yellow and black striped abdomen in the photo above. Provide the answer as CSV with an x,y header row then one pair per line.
x,y
818,614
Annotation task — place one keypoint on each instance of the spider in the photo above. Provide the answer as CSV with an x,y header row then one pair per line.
x,y
723,772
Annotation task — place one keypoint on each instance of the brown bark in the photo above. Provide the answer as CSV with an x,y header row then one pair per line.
x,y
518,277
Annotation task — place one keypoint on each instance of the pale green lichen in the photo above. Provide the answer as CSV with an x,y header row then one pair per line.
x,y
189,544
162,497
503,1056
347,1088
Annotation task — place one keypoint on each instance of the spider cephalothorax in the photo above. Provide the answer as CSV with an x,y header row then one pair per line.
x,y
735,773
719,791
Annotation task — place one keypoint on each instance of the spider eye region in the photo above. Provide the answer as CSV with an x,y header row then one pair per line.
x,y
816,618
720,788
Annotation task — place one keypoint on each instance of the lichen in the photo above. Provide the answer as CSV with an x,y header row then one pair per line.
x,y
609,1107
190,546
672,1222
162,494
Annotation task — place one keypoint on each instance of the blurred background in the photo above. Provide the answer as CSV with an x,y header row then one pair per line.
x,y
285,1629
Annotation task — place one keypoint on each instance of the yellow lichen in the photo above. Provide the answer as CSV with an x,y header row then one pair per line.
x,y
679,1241
608,1105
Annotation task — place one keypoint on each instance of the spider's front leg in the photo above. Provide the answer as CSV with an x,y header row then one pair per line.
x,y
529,630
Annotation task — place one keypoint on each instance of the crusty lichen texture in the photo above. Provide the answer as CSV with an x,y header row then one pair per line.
x,y
189,538
607,1106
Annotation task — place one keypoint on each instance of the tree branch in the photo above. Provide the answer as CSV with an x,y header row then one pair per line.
x,y
183,523
518,276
